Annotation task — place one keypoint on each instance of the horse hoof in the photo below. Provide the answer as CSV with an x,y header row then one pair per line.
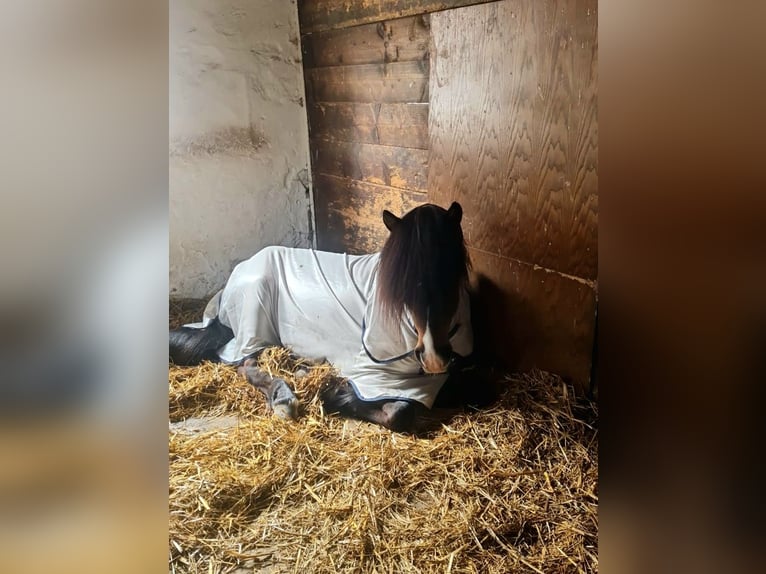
x,y
287,410
283,401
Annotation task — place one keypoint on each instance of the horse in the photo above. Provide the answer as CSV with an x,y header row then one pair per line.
x,y
395,323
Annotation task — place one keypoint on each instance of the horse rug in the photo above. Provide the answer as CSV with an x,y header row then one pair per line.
x,y
322,306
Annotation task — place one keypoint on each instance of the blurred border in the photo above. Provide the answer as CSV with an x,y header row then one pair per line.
x,y
83,295
682,283
83,238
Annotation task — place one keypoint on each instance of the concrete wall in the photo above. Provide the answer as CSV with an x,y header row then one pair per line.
x,y
238,138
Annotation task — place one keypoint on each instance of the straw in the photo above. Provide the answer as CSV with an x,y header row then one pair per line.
x,y
510,489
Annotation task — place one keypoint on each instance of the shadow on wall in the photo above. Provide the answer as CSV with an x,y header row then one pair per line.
x,y
497,342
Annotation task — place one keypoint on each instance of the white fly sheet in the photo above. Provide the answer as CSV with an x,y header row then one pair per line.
x,y
322,306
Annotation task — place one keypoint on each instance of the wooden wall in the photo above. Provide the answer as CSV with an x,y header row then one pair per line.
x,y
319,15
367,71
491,104
367,92
514,138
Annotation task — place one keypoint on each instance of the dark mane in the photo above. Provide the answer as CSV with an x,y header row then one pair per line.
x,y
423,261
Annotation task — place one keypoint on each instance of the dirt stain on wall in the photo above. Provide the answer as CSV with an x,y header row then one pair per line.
x,y
239,141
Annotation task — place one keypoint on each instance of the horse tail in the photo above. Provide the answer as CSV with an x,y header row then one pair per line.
x,y
191,346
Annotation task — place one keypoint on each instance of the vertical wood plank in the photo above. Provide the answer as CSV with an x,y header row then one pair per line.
x,y
534,318
513,137
513,126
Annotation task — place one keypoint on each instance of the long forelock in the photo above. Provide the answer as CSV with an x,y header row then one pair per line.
x,y
423,255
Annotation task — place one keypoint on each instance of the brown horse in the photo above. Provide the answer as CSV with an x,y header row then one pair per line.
x,y
395,322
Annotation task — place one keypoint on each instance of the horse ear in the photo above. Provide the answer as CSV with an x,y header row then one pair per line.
x,y
455,211
390,220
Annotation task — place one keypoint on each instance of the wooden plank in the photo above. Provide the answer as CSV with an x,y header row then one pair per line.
x,y
395,82
397,167
404,125
532,318
344,121
401,40
513,128
349,213
317,15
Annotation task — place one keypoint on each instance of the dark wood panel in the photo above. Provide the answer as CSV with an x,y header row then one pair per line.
x,y
395,82
316,15
401,40
367,105
350,213
529,317
513,128
403,125
383,165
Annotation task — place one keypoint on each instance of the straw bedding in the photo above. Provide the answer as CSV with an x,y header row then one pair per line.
x,y
509,489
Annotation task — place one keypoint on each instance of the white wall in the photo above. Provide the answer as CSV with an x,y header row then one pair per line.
x,y
238,137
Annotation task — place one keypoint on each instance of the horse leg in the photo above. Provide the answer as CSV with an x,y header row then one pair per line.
x,y
191,346
471,385
279,395
399,416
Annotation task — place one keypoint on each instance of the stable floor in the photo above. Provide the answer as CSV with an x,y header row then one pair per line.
x,y
510,489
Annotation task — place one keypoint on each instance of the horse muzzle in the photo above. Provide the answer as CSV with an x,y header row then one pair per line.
x,y
439,367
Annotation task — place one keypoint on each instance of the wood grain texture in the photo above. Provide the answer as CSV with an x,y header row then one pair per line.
x,y
367,105
402,40
403,125
529,317
383,165
395,82
318,15
350,213
513,128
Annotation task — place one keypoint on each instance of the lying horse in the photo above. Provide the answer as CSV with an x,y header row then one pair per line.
x,y
393,322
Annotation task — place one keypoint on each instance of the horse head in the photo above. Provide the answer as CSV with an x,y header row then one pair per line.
x,y
423,268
